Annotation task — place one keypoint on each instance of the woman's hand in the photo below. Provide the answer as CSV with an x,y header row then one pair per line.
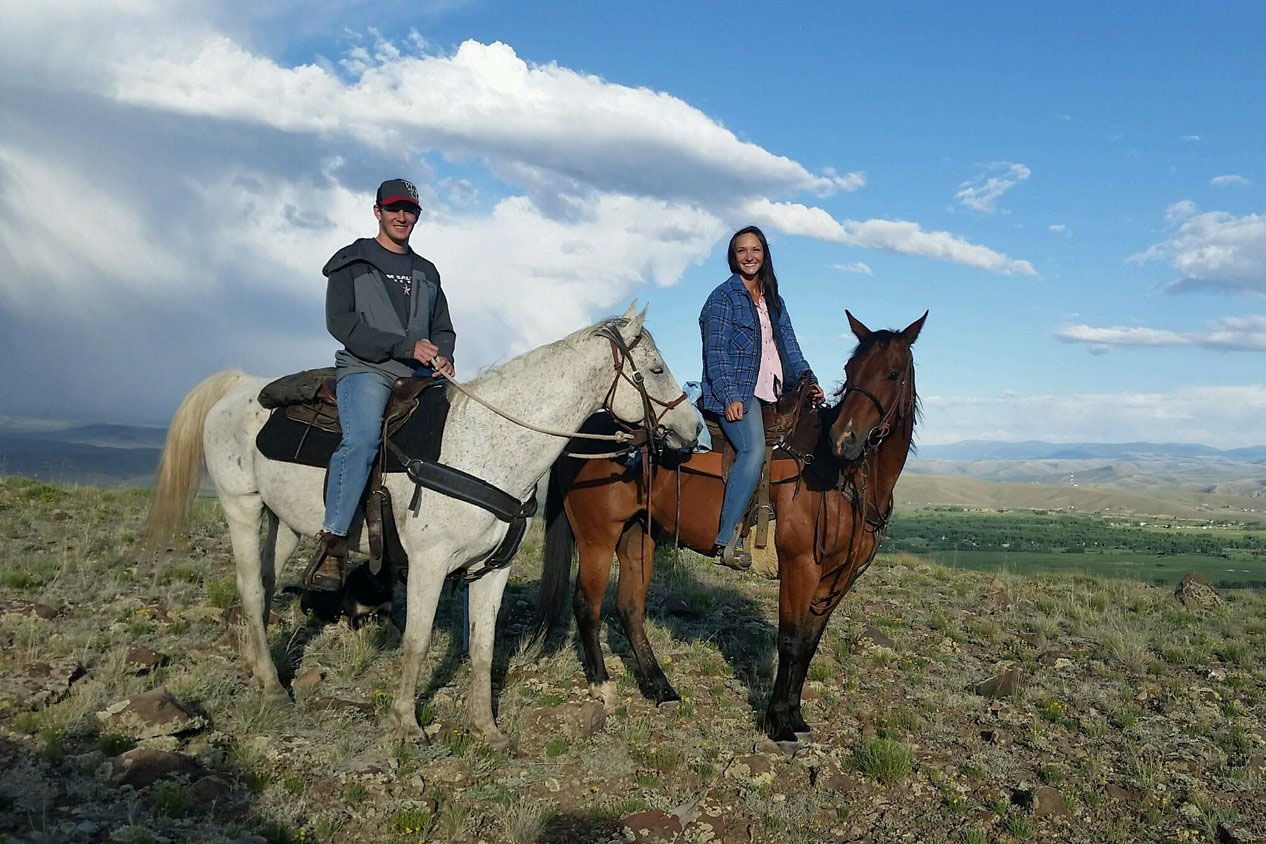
x,y
816,395
734,411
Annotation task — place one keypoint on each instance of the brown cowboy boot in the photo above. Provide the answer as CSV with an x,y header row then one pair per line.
x,y
326,571
731,555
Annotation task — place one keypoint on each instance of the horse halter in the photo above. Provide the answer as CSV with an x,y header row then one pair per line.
x,y
879,431
621,356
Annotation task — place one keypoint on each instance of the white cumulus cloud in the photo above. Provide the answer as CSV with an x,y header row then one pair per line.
x,y
1229,180
1214,249
855,267
1224,416
218,178
1232,333
1120,336
900,236
982,193
1180,210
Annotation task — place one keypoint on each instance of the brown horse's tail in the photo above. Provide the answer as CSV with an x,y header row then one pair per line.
x,y
180,469
560,547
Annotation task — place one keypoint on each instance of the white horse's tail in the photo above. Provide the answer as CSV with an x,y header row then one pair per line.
x,y
180,469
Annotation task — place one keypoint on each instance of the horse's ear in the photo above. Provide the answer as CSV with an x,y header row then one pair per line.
x,y
633,327
859,330
911,332
632,311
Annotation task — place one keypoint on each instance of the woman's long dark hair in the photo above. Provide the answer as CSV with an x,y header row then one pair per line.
x,y
768,281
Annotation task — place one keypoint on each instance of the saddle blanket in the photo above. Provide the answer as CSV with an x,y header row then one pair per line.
x,y
420,436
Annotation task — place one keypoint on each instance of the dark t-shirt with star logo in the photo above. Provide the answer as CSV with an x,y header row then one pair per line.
x,y
399,271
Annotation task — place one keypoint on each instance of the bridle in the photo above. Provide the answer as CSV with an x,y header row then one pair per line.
x,y
883,428
650,432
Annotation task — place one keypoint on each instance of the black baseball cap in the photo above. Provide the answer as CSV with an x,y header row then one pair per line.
x,y
397,190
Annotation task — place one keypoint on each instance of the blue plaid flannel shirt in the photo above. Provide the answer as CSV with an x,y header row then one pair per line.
x,y
731,346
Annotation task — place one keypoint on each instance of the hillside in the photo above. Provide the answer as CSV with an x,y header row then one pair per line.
x,y
1209,475
1127,715
915,490
95,454
970,450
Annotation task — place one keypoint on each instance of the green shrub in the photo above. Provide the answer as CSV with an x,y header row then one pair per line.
x,y
54,748
112,744
884,759
1018,826
220,593
26,722
413,821
171,799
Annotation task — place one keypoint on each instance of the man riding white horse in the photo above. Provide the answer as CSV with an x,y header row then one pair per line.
x,y
385,305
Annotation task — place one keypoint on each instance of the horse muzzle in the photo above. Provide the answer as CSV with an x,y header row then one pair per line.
x,y
670,440
847,445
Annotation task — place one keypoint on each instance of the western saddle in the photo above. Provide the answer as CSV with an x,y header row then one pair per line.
x,y
783,434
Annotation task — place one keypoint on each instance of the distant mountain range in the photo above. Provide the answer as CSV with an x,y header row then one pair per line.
x,y
1141,467
110,455
94,454
1038,450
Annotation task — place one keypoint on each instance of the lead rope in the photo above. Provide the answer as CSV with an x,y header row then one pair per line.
x,y
648,475
618,436
677,518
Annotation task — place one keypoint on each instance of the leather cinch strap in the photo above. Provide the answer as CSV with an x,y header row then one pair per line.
x,y
463,486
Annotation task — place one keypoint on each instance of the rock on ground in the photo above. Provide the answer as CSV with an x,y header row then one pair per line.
x,y
150,715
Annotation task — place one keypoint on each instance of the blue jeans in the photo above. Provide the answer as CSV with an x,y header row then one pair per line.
x,y
748,438
362,400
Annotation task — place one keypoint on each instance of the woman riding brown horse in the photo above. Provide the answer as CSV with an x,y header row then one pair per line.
x,y
832,501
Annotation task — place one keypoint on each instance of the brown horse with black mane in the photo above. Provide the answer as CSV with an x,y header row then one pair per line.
x,y
832,501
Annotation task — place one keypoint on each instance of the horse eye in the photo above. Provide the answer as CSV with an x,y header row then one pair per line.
x,y
657,370
892,376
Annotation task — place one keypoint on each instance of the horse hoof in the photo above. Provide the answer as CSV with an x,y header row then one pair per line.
x,y
605,692
669,705
409,734
805,735
278,699
783,734
497,740
666,695
789,748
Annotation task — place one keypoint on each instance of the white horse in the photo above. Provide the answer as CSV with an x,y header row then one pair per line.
x,y
556,386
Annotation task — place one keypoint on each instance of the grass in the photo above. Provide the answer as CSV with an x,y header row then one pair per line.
x,y
1123,705
885,760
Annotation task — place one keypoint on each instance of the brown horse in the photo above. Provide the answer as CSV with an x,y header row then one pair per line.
x,y
832,505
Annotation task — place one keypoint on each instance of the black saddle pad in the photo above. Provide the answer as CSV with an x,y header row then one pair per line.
x,y
420,437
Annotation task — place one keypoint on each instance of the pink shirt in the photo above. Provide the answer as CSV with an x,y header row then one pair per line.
x,y
769,379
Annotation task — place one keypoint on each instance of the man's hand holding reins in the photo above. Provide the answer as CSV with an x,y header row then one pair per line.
x,y
442,366
426,352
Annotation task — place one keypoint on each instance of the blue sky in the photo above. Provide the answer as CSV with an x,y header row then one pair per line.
x,y
1075,193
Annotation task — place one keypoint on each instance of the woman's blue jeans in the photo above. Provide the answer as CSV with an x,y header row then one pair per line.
x,y
748,438
362,400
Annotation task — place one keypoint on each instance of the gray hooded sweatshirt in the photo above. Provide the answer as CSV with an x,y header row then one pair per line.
x,y
359,313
